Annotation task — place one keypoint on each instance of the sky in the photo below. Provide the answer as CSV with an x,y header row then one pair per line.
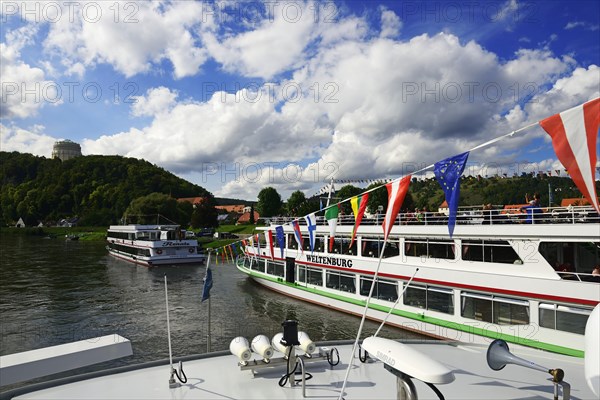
x,y
239,95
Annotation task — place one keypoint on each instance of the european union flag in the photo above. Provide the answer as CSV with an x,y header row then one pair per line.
x,y
280,238
448,172
208,282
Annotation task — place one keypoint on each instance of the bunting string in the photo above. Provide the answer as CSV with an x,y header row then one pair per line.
x,y
428,167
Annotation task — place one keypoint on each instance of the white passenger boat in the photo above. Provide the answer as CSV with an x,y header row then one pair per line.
x,y
496,277
152,245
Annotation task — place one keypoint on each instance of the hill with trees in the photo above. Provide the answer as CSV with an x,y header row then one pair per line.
x,y
98,189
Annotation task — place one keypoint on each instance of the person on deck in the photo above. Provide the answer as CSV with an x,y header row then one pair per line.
x,y
532,208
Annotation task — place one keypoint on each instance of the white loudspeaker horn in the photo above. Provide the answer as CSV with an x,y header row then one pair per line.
x,y
498,355
239,347
306,345
276,343
262,347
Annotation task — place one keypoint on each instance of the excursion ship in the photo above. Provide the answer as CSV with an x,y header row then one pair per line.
x,y
528,282
152,245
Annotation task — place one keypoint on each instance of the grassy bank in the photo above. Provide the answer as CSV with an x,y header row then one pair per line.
x,y
99,233
84,232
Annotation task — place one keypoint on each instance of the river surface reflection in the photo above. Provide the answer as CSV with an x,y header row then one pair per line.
x,y
54,291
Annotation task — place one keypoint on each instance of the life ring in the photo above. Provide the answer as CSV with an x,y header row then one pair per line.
x,y
191,250
159,251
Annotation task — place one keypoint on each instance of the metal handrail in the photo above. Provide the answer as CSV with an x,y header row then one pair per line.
x,y
472,216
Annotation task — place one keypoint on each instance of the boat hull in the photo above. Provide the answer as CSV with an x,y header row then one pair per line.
x,y
155,261
437,325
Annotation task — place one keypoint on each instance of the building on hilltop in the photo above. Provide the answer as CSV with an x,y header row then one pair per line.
x,y
66,149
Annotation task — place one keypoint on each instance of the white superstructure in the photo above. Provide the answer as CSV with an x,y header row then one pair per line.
x,y
527,281
153,244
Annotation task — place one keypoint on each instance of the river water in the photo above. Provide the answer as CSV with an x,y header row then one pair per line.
x,y
54,291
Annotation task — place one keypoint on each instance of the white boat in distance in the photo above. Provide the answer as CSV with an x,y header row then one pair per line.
x,y
153,245
528,282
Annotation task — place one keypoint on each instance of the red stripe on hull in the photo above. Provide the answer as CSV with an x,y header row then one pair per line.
x,y
541,296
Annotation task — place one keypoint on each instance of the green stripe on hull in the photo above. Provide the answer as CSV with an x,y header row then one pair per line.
x,y
423,318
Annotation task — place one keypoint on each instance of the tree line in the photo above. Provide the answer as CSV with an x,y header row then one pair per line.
x,y
427,194
97,189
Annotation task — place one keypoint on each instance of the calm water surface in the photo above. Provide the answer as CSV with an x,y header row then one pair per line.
x,y
54,291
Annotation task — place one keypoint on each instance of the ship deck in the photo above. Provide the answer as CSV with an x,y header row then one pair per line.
x,y
218,376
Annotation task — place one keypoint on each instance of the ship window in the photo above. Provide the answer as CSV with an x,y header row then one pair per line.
x,y
571,256
372,247
563,318
274,268
383,290
306,243
499,251
301,274
430,298
429,248
257,265
342,246
510,311
341,281
314,276
292,244
495,309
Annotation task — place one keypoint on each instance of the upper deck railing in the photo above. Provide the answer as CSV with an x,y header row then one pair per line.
x,y
473,216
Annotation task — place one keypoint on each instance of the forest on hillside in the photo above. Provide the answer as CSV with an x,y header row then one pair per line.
x,y
100,189
97,189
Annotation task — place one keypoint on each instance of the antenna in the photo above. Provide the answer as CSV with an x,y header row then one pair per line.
x,y
172,382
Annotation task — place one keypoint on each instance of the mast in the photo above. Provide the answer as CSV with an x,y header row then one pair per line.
x,y
330,192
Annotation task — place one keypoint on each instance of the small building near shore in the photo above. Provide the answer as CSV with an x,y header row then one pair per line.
x,y
20,223
245,218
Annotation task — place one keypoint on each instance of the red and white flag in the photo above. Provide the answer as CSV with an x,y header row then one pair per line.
x,y
396,192
574,134
269,240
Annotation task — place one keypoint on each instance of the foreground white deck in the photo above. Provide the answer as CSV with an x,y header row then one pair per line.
x,y
217,376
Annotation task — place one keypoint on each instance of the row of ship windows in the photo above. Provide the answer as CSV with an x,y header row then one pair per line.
x,y
499,251
130,250
480,307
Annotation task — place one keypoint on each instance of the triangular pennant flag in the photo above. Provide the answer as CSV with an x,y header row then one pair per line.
x,y
297,234
311,221
257,244
280,238
331,215
217,256
359,205
269,240
448,172
574,134
231,252
396,193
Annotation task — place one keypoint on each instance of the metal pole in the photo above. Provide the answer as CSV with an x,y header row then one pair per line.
x,y
330,190
208,336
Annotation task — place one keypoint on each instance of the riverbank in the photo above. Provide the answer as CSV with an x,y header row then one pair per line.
x,y
95,233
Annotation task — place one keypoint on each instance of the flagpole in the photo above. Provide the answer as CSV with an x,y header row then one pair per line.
x,y
329,195
362,321
208,336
